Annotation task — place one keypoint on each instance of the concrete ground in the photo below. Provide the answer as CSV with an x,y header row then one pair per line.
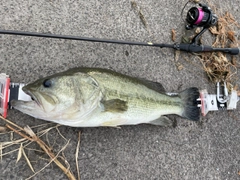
x,y
205,150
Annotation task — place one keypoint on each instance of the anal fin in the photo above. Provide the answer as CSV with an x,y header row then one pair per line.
x,y
162,121
113,123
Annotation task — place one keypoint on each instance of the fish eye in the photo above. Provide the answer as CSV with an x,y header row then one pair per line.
x,y
47,83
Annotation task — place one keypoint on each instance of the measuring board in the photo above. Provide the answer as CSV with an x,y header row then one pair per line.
x,y
8,92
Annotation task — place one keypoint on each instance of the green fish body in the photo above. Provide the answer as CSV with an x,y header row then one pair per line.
x,y
91,97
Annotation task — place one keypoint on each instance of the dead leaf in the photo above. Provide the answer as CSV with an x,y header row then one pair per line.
x,y
198,30
186,39
231,35
213,30
173,35
134,4
142,18
177,55
179,66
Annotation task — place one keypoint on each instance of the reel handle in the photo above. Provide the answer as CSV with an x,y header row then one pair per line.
x,y
204,48
232,51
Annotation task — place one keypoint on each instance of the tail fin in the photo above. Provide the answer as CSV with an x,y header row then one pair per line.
x,y
189,98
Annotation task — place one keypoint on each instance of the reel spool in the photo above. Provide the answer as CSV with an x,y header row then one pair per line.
x,y
200,17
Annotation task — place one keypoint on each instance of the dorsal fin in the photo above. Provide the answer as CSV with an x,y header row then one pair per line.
x,y
156,86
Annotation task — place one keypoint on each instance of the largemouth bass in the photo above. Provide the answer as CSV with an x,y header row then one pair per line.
x,y
90,97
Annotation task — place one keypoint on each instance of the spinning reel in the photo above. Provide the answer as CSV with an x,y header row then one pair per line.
x,y
200,17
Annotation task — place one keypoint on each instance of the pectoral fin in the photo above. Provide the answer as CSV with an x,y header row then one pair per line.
x,y
115,105
162,121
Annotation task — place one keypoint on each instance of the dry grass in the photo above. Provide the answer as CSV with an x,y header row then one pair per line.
x,y
28,137
77,152
218,66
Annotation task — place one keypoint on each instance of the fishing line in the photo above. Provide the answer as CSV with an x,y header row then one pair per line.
x,y
183,10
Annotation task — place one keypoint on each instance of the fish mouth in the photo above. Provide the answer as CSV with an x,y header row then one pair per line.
x,y
33,97
42,100
30,106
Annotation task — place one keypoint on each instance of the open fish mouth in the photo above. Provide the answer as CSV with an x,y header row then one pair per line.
x,y
33,97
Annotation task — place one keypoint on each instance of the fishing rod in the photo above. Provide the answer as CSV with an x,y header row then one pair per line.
x,y
196,17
